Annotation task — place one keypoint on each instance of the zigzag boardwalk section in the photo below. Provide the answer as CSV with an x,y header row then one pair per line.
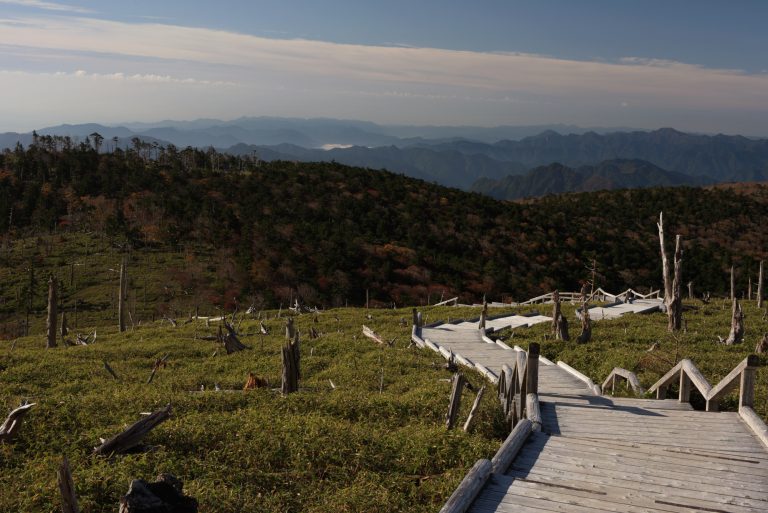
x,y
601,454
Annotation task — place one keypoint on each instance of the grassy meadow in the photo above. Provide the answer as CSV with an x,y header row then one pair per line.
x,y
375,442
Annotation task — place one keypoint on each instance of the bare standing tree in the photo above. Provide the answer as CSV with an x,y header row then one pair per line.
x,y
672,282
51,321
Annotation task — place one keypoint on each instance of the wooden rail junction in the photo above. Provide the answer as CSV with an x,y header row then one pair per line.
x,y
573,449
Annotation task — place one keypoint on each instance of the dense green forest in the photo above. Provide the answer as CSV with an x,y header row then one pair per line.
x,y
328,233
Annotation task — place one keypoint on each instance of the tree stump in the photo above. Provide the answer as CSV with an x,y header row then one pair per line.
x,y
555,311
291,359
122,291
760,286
69,502
586,325
561,331
165,495
737,325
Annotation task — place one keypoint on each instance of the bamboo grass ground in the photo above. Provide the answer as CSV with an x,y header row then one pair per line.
x,y
370,444
377,442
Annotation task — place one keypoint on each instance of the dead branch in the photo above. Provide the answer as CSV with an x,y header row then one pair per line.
x,y
10,428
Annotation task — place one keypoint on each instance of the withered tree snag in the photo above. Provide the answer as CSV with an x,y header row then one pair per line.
x,y
672,280
586,323
121,293
51,320
737,325
133,434
555,310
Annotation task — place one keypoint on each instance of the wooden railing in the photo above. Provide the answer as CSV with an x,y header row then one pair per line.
x,y
519,388
518,393
619,374
687,374
598,294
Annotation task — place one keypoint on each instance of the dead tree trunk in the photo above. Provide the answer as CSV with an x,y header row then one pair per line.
x,y
455,402
67,488
760,287
690,290
749,289
483,315
134,433
51,321
121,297
672,280
586,324
291,357
733,285
561,332
64,331
737,325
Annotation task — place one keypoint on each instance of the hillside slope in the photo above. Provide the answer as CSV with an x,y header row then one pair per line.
x,y
270,231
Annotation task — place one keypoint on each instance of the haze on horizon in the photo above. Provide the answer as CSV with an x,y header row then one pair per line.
x,y
695,66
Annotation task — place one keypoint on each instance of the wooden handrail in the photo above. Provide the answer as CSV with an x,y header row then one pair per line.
x,y
517,383
628,376
688,374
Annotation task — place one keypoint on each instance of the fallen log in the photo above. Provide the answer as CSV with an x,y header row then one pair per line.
x,y
368,332
133,434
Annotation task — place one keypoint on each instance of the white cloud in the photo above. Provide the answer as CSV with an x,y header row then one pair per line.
x,y
392,84
48,6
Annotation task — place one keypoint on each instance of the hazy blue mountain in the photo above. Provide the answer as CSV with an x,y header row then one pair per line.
x,y
557,178
445,167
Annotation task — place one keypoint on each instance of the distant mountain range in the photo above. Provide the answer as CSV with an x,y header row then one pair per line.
x,y
611,174
490,160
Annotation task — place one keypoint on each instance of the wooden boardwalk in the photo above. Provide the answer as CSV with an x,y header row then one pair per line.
x,y
638,306
596,453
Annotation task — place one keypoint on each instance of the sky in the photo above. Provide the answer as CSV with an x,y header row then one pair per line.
x,y
695,65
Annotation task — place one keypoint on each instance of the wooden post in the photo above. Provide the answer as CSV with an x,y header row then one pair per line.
x,y
455,401
760,287
685,387
532,369
67,488
121,297
51,321
747,393
473,410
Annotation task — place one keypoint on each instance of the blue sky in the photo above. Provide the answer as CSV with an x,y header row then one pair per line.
x,y
695,65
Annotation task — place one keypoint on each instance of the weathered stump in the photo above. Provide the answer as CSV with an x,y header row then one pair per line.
x,y
555,310
586,325
291,360
737,325
760,286
121,293
561,330
67,488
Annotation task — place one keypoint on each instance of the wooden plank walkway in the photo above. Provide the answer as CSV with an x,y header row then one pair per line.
x,y
601,454
638,306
